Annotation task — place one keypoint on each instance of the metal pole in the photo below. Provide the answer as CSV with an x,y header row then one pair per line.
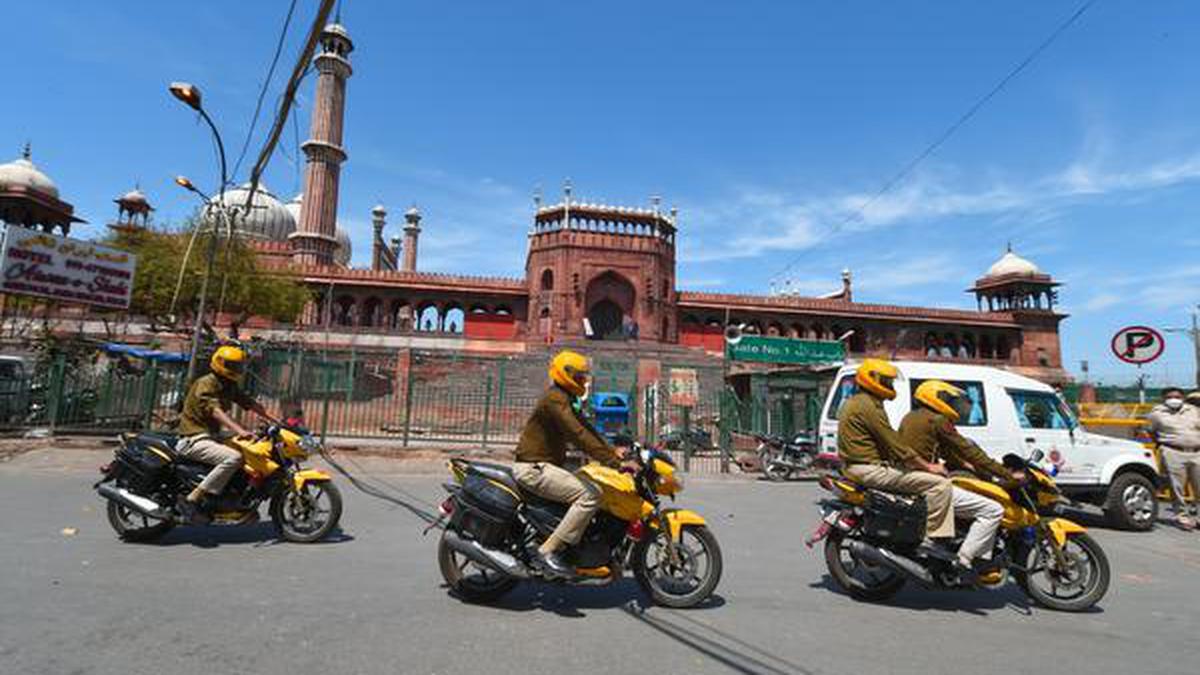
x,y
487,409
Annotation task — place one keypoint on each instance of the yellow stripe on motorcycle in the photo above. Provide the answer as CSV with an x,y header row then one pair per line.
x,y
1061,527
306,475
677,518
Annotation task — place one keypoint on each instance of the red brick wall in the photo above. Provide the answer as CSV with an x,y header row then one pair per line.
x,y
710,338
490,327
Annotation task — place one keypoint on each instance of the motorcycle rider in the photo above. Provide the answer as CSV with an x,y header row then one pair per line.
x,y
929,430
205,417
875,456
542,450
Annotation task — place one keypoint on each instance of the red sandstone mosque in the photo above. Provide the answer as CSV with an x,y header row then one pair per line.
x,y
592,271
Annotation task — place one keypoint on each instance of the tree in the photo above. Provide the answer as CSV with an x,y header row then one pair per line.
x,y
241,284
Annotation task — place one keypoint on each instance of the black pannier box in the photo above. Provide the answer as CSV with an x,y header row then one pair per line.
x,y
895,519
486,510
145,467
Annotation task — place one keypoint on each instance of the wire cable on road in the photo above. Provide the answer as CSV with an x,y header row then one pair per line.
x,y
375,491
262,92
907,169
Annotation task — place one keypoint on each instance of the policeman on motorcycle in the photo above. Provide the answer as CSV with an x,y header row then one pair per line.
x,y
930,432
542,450
206,417
875,456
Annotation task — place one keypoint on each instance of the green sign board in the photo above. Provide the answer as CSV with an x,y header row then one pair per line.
x,y
760,349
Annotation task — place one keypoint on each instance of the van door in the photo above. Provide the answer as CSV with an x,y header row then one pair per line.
x,y
841,391
1047,425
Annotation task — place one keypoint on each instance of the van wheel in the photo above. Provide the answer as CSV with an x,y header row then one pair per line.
x,y
1131,503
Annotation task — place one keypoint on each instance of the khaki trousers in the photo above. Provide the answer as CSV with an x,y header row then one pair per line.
x,y
939,522
1182,468
985,515
559,485
225,460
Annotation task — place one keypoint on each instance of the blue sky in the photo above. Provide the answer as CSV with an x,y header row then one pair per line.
x,y
765,122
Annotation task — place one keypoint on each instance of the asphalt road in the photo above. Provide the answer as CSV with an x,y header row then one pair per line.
x,y
237,601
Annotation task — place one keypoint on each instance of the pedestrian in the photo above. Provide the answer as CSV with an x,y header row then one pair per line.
x,y
1175,425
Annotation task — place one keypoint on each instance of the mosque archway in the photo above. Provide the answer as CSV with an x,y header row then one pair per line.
x,y
610,300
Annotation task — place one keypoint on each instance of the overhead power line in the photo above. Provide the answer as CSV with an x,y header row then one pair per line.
x,y
262,92
907,169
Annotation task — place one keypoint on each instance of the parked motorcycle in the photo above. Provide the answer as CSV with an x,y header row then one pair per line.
x,y
872,543
782,458
493,528
146,481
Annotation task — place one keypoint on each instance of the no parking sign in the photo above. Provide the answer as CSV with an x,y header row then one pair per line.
x,y
1138,344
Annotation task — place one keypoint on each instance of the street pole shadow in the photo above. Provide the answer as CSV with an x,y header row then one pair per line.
x,y
257,535
721,647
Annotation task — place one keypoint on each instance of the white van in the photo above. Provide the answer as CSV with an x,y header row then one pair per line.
x,y
1015,414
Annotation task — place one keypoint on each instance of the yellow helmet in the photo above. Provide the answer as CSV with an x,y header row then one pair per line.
x,y
570,370
229,362
941,397
877,377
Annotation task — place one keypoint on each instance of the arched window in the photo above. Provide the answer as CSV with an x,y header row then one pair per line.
x,y
455,320
547,280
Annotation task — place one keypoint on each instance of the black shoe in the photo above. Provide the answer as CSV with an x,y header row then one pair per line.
x,y
935,549
193,513
967,574
553,567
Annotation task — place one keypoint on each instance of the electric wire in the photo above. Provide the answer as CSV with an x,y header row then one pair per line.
x,y
860,212
262,93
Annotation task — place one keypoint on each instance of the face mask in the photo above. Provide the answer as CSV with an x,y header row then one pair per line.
x,y
1173,403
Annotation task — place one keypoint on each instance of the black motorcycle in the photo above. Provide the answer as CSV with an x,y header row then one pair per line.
x,y
781,458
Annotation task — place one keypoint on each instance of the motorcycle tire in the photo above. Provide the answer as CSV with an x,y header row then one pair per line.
x,y
290,533
1099,573
477,589
854,587
662,595
776,472
133,527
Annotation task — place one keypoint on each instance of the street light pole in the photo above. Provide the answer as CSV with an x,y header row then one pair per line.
x,y
1194,333
189,94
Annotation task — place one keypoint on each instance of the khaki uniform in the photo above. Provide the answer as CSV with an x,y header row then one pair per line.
x,y
934,438
874,455
541,453
1178,436
200,429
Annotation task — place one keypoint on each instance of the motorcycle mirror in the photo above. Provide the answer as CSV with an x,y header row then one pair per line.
x,y
1037,456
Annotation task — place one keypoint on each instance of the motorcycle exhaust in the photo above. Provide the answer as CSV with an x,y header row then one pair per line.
x,y
899,563
488,557
143,505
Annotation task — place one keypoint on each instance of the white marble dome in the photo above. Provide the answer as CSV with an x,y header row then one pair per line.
x,y
134,196
21,172
1011,264
267,219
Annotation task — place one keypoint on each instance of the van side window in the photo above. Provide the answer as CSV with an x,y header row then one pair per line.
x,y
977,416
842,393
1039,410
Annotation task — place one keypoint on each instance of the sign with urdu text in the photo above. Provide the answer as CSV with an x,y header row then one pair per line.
x,y
61,268
762,349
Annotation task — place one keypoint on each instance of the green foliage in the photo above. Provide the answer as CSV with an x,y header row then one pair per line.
x,y
241,284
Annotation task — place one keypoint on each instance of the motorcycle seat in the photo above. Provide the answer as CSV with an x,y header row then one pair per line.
x,y
502,473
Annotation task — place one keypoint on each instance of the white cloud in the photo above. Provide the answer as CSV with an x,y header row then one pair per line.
x,y
1101,301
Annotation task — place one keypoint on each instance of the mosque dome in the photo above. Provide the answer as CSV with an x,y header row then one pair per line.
x,y
1011,264
268,218
22,173
134,196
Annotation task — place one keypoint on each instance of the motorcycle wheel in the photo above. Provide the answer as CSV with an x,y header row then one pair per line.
x,y
776,471
469,581
687,585
861,580
1075,589
307,516
133,526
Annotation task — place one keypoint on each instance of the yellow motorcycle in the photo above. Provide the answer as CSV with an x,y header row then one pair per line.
x,y
873,543
493,528
146,481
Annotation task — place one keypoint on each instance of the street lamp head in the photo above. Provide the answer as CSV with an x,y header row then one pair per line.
x,y
185,183
186,92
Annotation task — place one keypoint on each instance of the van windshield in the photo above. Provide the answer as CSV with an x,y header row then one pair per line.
x,y
841,393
